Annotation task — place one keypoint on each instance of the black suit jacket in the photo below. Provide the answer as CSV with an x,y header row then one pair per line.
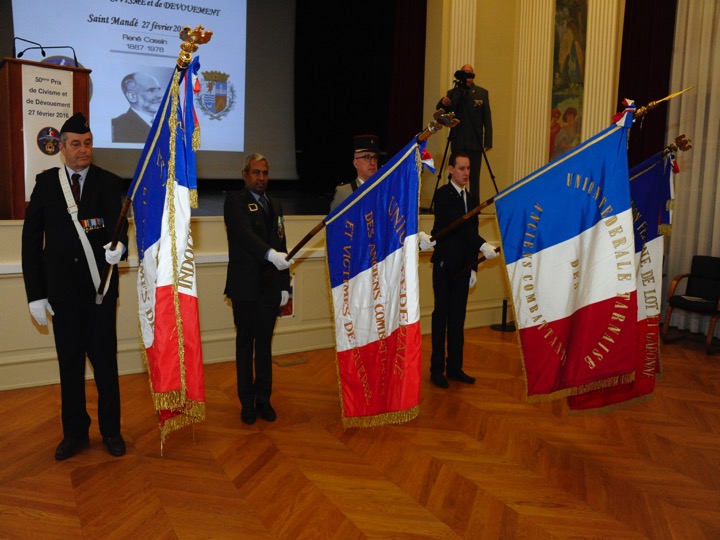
x,y
472,107
129,127
53,260
251,233
459,249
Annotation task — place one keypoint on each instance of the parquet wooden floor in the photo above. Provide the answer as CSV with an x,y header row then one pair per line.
x,y
479,462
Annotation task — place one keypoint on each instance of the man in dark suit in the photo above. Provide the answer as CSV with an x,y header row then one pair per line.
x,y
65,244
474,133
258,283
454,272
144,94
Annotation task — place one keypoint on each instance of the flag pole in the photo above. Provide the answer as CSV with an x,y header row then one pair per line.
x,y
642,111
191,39
681,143
440,119
442,233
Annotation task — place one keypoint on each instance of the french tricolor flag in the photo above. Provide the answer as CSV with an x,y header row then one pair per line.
x,y
568,239
168,313
372,254
651,192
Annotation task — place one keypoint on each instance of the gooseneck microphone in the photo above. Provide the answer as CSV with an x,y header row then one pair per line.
x,y
20,54
43,49
27,41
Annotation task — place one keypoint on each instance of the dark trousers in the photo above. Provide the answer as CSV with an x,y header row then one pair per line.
x,y
448,319
255,324
86,329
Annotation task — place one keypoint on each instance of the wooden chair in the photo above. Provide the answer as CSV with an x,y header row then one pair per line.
x,y
702,295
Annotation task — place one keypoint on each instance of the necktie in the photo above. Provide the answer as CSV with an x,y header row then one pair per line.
x,y
462,194
75,187
263,202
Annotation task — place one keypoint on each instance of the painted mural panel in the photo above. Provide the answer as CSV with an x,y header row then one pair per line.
x,y
568,76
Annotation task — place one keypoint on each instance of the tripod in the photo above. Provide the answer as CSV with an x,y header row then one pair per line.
x,y
462,89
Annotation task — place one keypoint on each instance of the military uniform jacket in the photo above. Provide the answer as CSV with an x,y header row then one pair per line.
x,y
342,192
472,107
459,249
53,260
251,232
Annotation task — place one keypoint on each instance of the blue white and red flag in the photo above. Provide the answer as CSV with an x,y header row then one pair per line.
x,y
161,191
427,160
651,192
567,235
372,254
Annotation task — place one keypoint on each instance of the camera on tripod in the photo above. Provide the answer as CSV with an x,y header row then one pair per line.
x,y
463,76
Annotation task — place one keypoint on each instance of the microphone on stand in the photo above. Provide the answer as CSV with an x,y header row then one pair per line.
x,y
42,50
20,54
66,47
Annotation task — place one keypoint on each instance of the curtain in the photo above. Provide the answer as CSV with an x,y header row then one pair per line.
x,y
696,216
363,73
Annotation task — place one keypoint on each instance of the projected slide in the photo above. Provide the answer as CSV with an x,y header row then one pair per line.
x,y
131,47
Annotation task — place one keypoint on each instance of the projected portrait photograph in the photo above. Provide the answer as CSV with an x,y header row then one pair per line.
x,y
143,91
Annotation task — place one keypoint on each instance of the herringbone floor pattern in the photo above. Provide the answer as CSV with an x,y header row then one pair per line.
x,y
479,462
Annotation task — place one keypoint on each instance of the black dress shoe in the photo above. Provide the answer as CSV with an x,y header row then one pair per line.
x,y
115,445
266,411
439,380
69,446
461,376
247,415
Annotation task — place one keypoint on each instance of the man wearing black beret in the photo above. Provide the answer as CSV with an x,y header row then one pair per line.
x,y
365,160
69,224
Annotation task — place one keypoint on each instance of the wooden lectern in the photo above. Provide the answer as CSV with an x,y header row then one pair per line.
x,y
12,142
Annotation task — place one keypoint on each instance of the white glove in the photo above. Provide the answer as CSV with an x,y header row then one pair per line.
x,y
38,309
284,297
425,242
473,279
488,250
278,259
113,256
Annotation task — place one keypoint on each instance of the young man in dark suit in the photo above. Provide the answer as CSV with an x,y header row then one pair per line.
x,y
258,283
454,272
66,236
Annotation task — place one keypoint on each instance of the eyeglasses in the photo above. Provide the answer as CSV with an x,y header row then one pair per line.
x,y
368,157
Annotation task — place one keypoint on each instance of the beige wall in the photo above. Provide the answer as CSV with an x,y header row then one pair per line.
x,y
27,351
494,63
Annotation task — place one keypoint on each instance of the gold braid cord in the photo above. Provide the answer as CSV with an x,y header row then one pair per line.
x,y
191,40
683,144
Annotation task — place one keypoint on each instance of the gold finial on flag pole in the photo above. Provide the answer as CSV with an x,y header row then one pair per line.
x,y
191,40
440,119
642,111
681,143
